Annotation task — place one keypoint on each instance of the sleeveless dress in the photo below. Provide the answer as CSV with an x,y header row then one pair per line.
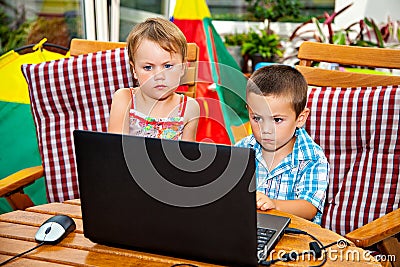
x,y
166,128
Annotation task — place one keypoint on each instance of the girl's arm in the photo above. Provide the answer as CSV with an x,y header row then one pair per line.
x,y
119,114
192,115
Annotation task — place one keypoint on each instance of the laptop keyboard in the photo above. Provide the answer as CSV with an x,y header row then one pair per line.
x,y
264,235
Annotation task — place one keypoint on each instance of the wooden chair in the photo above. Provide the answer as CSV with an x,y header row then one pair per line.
x,y
353,111
313,52
11,187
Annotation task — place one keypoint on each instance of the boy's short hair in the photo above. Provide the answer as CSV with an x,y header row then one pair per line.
x,y
158,30
280,80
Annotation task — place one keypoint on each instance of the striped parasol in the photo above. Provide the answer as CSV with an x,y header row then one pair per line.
x,y
221,84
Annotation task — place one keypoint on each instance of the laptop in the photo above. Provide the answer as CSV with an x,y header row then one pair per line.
x,y
182,199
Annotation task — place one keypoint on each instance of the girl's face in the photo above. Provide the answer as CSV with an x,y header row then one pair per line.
x,y
158,71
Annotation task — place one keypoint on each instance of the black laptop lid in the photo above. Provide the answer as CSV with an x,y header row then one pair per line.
x,y
184,199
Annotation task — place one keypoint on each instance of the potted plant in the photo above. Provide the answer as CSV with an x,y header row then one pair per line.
x,y
233,43
262,46
364,32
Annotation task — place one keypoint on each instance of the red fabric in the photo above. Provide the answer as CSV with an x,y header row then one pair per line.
x,y
194,33
211,124
358,129
69,94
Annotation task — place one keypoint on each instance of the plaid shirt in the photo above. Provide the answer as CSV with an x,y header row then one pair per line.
x,y
303,174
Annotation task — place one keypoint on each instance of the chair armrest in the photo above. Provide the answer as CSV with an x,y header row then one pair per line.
x,y
377,230
19,180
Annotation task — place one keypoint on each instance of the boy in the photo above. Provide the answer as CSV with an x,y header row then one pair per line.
x,y
291,169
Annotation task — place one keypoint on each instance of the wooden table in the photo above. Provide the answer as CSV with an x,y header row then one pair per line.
x,y
18,228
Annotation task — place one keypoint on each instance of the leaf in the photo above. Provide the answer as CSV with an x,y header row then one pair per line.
x,y
378,34
322,35
339,38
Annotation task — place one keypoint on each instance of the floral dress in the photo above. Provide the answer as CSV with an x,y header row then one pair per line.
x,y
166,128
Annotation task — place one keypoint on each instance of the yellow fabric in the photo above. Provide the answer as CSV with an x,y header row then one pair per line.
x,y
13,86
192,10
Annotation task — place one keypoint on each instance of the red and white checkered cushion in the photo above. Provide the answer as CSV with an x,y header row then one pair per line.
x,y
358,128
68,94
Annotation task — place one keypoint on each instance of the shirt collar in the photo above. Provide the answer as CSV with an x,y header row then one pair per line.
x,y
302,149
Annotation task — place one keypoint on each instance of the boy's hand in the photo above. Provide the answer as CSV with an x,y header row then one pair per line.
x,y
263,202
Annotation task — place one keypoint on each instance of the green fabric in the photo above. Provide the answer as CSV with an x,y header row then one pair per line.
x,y
19,148
230,83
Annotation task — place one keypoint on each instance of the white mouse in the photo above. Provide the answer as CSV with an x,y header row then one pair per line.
x,y
55,229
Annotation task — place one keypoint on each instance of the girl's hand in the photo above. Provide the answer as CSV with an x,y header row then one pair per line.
x,y
263,202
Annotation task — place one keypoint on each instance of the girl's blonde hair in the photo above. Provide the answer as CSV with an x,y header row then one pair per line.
x,y
158,30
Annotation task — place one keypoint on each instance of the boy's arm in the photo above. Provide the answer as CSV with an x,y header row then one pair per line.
x,y
299,207
311,193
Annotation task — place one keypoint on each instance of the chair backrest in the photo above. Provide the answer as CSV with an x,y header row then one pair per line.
x,y
74,93
313,52
83,46
355,119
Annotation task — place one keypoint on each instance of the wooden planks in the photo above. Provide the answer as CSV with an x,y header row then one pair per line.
x,y
17,230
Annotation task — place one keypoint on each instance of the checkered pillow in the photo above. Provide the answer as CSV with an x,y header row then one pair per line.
x,y
358,128
68,94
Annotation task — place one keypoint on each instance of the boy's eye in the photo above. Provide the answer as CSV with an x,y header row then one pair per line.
x,y
256,118
168,66
147,68
277,119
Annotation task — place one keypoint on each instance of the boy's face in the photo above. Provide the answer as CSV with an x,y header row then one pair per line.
x,y
157,70
273,121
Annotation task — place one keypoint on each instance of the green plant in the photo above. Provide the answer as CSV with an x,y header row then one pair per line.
x,y
364,32
386,35
13,33
328,20
235,39
266,44
274,10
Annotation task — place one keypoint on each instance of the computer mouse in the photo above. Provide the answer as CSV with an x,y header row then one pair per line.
x,y
55,229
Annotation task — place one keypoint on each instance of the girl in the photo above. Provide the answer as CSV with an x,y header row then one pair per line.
x,y
157,50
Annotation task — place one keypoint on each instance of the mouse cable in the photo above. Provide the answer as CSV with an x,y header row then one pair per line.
x,y
21,254
316,249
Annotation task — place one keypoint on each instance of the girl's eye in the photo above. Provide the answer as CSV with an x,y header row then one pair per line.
x,y
277,119
256,118
148,68
168,66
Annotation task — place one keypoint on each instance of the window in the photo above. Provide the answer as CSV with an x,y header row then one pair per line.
x,y
237,9
135,11
30,21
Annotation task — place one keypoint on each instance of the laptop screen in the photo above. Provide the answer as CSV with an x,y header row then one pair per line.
x,y
185,199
